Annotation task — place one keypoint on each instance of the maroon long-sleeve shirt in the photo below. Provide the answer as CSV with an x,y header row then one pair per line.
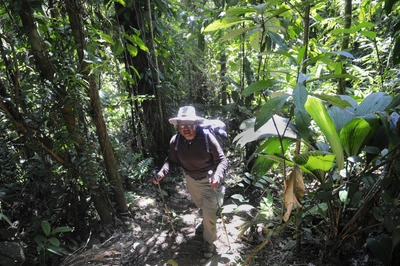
x,y
194,158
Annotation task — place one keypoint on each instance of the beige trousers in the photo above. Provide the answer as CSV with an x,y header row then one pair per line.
x,y
204,196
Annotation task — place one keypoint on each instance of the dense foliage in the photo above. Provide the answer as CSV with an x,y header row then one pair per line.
x,y
87,87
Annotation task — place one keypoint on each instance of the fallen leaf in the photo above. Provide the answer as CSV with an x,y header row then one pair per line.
x,y
294,191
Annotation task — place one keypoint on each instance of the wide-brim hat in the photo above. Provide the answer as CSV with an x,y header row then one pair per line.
x,y
186,113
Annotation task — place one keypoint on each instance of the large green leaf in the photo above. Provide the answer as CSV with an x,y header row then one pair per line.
x,y
269,108
317,162
224,23
334,76
377,101
258,86
342,114
300,96
238,11
341,101
318,112
395,103
236,32
280,159
270,146
302,121
283,125
356,133
382,248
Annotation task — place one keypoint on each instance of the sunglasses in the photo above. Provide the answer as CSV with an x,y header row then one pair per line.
x,y
188,125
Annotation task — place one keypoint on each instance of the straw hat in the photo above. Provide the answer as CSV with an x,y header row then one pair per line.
x,y
186,113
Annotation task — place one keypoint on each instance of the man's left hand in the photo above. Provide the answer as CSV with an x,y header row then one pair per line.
x,y
214,181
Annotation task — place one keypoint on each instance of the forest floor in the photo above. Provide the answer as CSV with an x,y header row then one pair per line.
x,y
146,237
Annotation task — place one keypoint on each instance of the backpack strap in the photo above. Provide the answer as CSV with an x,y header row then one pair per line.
x,y
206,138
177,138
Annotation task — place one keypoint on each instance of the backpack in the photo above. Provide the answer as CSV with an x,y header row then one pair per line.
x,y
213,126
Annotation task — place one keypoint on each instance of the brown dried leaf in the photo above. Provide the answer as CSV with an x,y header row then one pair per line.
x,y
294,191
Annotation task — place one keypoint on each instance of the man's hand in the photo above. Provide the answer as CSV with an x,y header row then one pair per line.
x,y
214,181
157,178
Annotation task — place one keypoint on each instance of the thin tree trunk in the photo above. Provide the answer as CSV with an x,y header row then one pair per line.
x,y
73,10
345,44
224,94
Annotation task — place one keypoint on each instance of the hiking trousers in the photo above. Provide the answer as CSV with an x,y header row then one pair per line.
x,y
204,196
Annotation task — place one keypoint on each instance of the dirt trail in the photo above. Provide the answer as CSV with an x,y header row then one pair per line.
x,y
146,238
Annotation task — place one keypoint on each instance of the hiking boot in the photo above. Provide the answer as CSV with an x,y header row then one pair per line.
x,y
199,229
209,250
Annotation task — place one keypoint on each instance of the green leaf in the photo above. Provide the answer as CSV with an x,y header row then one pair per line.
x,y
356,134
343,196
300,96
54,241
377,101
268,109
283,125
61,229
118,48
238,197
106,37
235,11
46,227
317,162
258,86
122,2
340,112
137,41
394,103
334,76
224,23
271,145
302,121
300,55
132,49
255,40
365,24
56,250
236,32
172,262
40,240
318,112
342,53
5,218
345,31
368,33
381,249
334,100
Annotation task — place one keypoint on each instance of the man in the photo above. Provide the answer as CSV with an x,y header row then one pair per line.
x,y
192,155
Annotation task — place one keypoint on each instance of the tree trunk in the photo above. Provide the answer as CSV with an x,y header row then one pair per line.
x,y
345,44
74,12
224,94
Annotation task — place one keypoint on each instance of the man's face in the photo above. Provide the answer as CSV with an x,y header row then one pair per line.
x,y
187,129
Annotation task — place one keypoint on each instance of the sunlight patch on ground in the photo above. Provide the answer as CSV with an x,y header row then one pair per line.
x,y
145,202
188,218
